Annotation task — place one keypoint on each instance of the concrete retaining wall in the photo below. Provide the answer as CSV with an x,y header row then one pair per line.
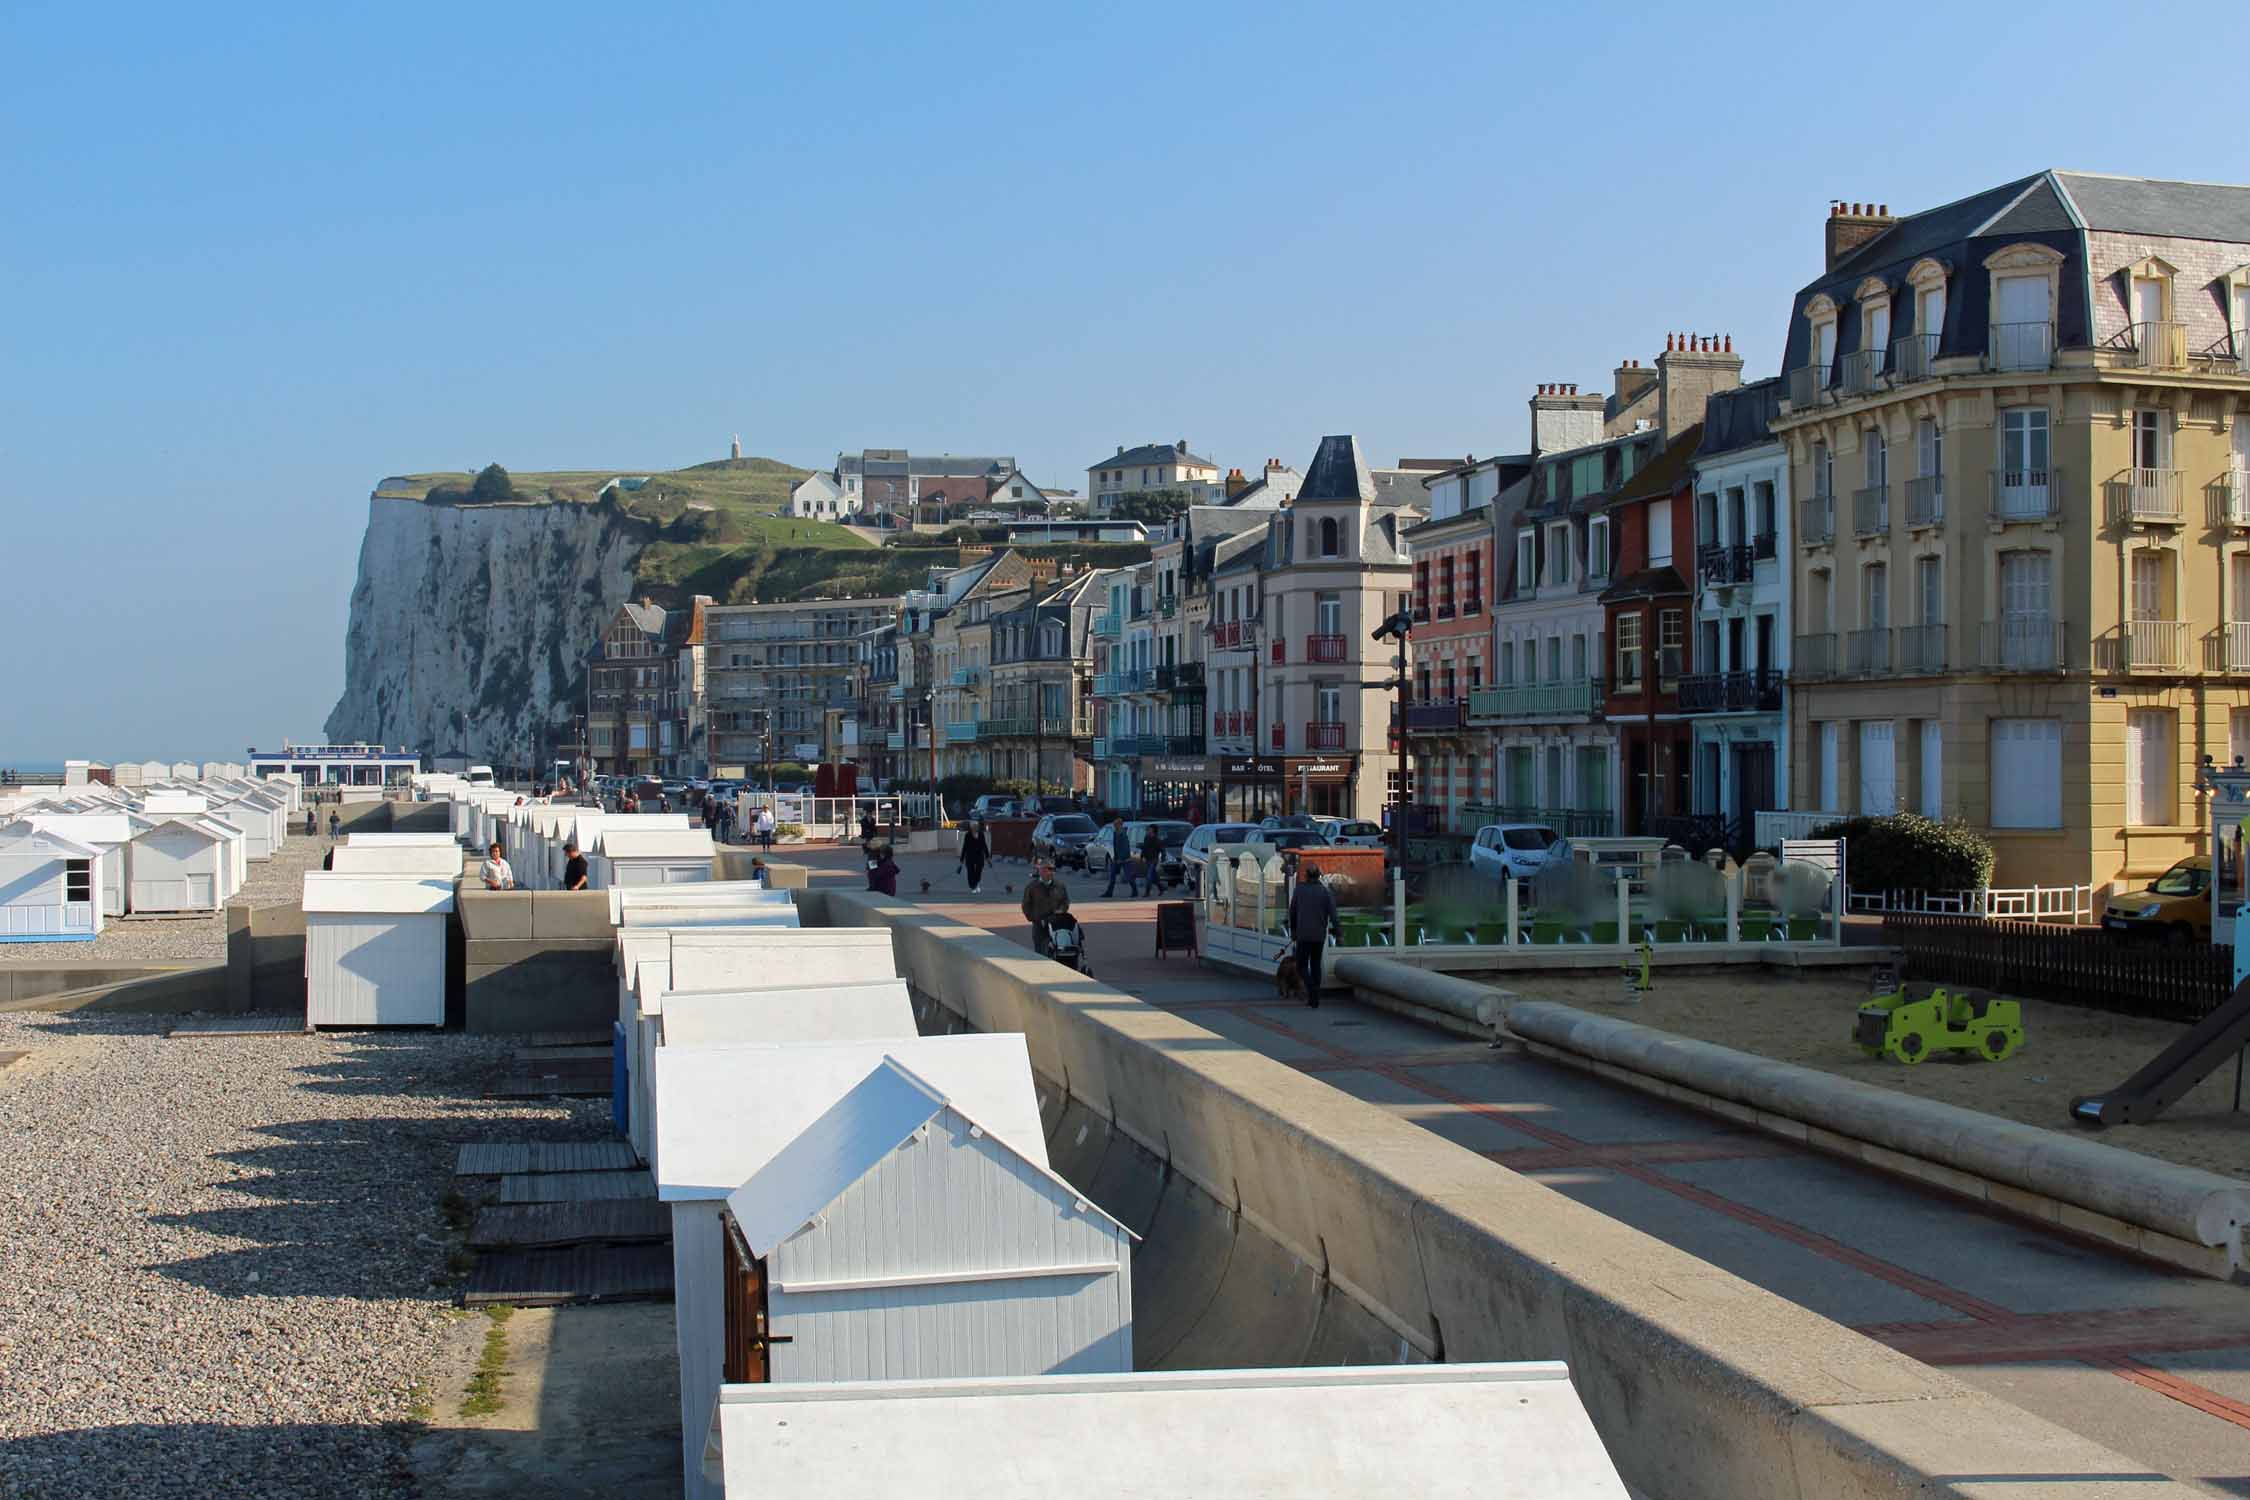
x,y
1387,1241
170,989
385,815
731,862
265,957
536,961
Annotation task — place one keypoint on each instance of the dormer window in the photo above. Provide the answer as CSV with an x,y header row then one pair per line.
x,y
1331,537
1864,365
2157,338
2024,286
1527,562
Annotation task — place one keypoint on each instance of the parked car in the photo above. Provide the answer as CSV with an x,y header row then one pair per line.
x,y
2175,906
1518,849
1032,807
1288,820
1062,837
1100,851
1357,831
992,805
1195,853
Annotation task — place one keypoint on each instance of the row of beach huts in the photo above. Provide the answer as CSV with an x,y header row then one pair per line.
x,y
880,1282
72,857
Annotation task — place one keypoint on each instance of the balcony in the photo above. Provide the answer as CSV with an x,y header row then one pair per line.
x,y
1108,684
1816,520
2234,648
1280,738
1578,699
2145,497
1763,546
1813,656
1436,718
1180,677
2147,646
1234,635
1108,624
1167,605
1863,371
1808,385
1322,648
2229,497
1913,358
2020,346
967,676
1138,680
1722,564
1324,734
1730,693
1871,511
1101,747
1184,744
2026,494
2156,346
896,739
1867,653
961,732
1921,648
1925,500
2023,641
1000,729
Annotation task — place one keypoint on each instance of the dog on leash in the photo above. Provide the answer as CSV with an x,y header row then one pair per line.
x,y
1289,980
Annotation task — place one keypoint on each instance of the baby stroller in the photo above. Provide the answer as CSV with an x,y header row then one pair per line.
x,y
1066,944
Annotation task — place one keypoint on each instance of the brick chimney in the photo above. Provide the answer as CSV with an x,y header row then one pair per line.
x,y
1630,379
1561,418
1181,445
1691,368
1851,225
1236,484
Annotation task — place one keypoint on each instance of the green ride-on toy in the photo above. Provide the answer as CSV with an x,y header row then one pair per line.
x,y
1908,1030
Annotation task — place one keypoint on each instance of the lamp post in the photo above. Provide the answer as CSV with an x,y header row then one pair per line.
x,y
929,717
1397,628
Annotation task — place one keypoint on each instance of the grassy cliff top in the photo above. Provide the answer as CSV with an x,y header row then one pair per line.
x,y
742,494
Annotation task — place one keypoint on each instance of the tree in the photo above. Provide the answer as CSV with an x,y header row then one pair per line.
x,y
492,483
1150,505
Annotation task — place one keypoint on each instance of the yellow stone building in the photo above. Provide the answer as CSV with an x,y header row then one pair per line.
x,y
2019,429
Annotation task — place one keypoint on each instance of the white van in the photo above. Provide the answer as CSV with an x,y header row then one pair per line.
x,y
480,776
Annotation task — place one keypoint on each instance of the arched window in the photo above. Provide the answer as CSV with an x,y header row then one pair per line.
x,y
1331,543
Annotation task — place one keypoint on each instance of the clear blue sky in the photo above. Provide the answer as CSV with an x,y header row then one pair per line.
x,y
253,265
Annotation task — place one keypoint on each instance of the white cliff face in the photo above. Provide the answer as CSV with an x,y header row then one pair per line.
x,y
470,625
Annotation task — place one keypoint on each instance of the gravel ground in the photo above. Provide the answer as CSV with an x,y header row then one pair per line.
x,y
166,939
227,1260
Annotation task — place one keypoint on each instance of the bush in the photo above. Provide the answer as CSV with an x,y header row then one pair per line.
x,y
1908,852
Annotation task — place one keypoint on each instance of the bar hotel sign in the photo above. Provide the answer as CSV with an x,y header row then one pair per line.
x,y
1250,768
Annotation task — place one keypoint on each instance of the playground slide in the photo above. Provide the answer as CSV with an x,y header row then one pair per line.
x,y
2171,1073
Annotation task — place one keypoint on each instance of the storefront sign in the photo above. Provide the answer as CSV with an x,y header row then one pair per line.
x,y
1325,769
1250,768
1176,768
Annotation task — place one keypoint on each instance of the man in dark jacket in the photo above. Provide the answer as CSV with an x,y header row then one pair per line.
x,y
574,867
1312,919
1043,897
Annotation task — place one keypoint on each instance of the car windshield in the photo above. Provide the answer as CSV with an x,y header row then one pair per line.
x,y
1359,830
1172,835
1290,838
1072,823
2181,880
1232,833
1527,838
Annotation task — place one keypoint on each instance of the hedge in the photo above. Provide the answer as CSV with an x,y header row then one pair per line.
x,y
1908,852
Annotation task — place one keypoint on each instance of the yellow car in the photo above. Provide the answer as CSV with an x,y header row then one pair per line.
x,y
2176,906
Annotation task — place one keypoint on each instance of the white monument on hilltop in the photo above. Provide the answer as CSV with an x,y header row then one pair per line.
x,y
736,450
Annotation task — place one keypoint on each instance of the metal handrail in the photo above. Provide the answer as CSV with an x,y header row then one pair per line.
x,y
1913,356
1816,520
1925,500
1868,652
2024,641
2156,345
2026,494
2146,495
2151,646
1871,510
1863,371
1808,384
1921,648
2020,346
1813,656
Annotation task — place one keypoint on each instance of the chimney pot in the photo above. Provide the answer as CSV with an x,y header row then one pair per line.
x,y
1884,210
1730,343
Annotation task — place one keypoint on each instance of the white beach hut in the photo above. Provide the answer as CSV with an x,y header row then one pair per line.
x,y
105,832
660,856
49,887
1371,1432
400,840
711,893
790,1013
725,1112
719,958
254,824
375,950
177,864
235,865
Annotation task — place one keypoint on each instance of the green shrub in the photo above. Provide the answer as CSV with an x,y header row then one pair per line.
x,y
1908,852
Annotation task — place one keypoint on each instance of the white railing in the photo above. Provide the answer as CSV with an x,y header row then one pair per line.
x,y
1772,829
2031,903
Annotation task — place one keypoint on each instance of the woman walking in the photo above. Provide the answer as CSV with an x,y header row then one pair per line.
x,y
974,852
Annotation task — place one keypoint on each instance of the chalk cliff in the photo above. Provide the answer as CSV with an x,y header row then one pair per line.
x,y
470,624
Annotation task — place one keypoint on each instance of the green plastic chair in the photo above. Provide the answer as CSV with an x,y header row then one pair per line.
x,y
1547,930
1803,929
1711,929
1490,934
1671,930
1604,932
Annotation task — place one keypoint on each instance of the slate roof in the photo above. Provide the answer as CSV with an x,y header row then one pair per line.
x,y
648,616
1663,473
1649,583
1740,418
1149,453
1338,472
2142,205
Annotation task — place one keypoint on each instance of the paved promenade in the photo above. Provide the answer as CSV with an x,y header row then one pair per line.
x,y
2149,1362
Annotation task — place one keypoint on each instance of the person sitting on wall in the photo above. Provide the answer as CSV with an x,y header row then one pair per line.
x,y
496,874
574,867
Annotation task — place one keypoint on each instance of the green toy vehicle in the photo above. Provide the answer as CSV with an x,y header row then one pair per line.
x,y
1907,1030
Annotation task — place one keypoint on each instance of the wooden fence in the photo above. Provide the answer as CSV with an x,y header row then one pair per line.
x,y
2068,965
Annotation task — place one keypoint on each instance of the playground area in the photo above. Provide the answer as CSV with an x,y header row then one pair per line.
x,y
1806,1018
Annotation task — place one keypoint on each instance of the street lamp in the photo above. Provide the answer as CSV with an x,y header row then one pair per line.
x,y
1397,628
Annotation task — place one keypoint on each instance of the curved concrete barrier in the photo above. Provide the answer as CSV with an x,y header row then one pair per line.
x,y
2186,1203
1702,1386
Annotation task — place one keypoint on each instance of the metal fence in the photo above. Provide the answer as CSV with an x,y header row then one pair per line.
x,y
2067,965
2038,903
